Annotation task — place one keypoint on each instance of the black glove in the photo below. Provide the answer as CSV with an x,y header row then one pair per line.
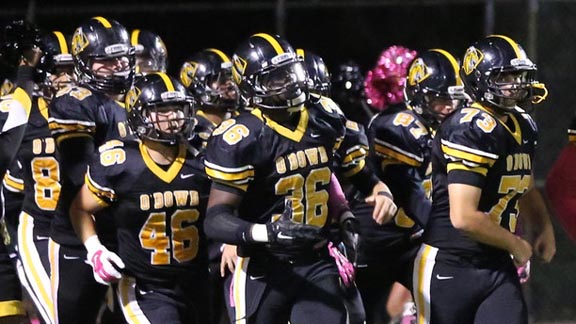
x,y
284,231
350,235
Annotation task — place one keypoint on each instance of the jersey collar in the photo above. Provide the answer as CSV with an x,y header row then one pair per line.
x,y
165,175
295,135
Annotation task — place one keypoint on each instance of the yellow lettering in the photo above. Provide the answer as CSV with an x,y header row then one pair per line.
x,y
158,201
168,199
280,165
181,197
312,155
144,202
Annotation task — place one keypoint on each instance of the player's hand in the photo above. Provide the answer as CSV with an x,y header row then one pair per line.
x,y
31,56
228,259
384,207
545,245
522,252
345,267
105,264
524,272
284,231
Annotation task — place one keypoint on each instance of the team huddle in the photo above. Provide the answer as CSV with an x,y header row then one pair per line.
x,y
240,191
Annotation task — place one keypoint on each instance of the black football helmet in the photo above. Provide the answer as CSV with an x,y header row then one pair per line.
x,y
61,73
318,75
433,75
269,74
151,52
101,39
154,95
208,76
496,71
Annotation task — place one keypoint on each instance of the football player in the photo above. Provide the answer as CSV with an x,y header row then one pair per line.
x,y
208,76
347,90
151,52
482,158
81,119
400,139
157,191
39,170
271,170
21,47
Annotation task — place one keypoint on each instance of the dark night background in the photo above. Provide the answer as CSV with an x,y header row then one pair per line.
x,y
339,30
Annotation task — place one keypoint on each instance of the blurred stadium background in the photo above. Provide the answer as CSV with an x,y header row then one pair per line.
x,y
341,30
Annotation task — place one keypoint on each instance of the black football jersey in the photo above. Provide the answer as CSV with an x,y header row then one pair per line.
x,y
271,162
474,147
39,168
202,130
79,112
158,212
398,136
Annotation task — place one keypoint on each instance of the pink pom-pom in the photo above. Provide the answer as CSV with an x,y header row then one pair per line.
x,y
384,84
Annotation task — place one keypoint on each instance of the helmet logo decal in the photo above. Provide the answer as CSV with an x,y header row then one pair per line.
x,y
239,68
79,42
188,72
132,97
472,58
418,72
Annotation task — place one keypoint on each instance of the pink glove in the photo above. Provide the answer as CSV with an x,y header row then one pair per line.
x,y
105,264
524,272
345,267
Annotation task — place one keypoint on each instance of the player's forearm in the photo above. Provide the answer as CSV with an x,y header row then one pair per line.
x,y
82,221
479,227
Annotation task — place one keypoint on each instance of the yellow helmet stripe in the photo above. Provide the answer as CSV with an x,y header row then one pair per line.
x,y
167,81
61,42
103,21
512,43
134,37
300,52
273,42
218,52
453,61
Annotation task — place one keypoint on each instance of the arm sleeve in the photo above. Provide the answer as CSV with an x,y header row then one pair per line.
x,y
222,225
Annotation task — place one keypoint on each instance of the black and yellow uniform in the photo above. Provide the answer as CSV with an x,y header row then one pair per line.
x,y
400,143
266,163
40,176
75,113
80,121
14,113
159,215
476,148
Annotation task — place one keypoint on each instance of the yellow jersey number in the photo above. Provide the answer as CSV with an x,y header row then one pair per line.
x,y
309,205
46,174
182,244
510,186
